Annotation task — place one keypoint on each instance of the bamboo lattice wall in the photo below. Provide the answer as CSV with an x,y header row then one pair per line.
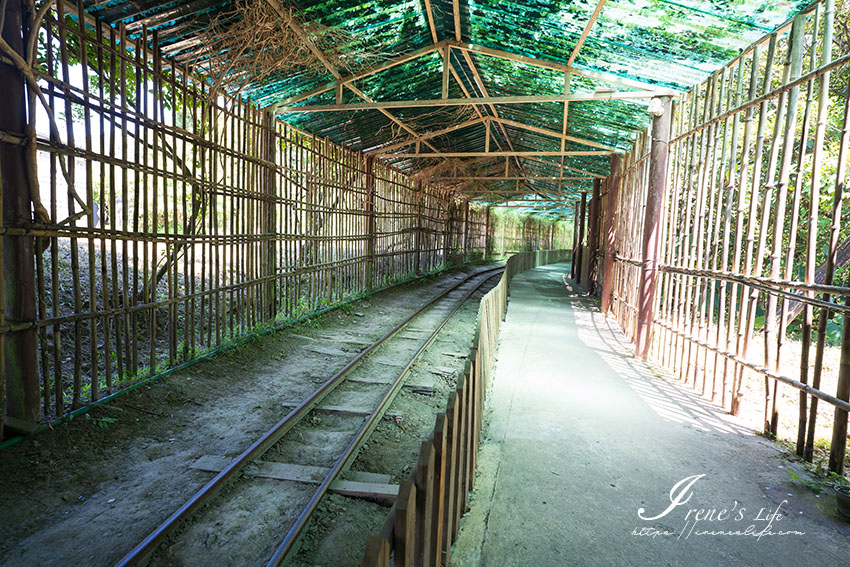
x,y
750,247
181,221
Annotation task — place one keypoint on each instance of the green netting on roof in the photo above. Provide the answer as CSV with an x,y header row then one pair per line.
x,y
666,43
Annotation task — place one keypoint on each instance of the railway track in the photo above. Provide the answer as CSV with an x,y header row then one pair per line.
x,y
277,483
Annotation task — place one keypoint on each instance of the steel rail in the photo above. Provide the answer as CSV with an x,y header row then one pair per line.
x,y
353,447
139,554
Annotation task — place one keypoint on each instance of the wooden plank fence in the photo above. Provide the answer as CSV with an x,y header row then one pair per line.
x,y
423,523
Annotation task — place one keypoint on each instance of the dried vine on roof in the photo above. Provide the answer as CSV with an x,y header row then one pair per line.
x,y
256,42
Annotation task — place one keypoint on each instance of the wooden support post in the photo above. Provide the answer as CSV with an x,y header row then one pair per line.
x,y
466,231
425,503
377,553
447,241
446,68
404,534
581,221
660,108
20,371
451,453
369,207
439,489
462,439
610,223
593,237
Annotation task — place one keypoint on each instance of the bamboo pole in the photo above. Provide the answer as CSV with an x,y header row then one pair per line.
x,y
805,448
834,229
742,183
747,302
794,64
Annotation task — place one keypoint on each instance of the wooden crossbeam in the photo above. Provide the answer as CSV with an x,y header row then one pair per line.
x,y
511,178
497,154
553,134
430,103
566,167
430,135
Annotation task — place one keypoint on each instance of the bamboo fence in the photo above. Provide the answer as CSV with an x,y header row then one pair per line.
x,y
180,221
750,227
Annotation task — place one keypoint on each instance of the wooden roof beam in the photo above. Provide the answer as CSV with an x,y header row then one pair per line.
x,y
495,154
552,133
513,178
590,23
429,135
486,100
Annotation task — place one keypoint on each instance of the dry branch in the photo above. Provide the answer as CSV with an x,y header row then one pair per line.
x,y
254,43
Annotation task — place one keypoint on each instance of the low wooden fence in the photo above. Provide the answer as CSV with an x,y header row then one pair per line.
x,y
424,521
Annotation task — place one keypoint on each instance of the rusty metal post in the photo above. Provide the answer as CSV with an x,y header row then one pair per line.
x,y
593,237
487,227
371,237
417,236
608,263
575,242
20,369
581,221
660,108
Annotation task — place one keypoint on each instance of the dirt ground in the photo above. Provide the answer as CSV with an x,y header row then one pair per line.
x,y
88,491
752,408
336,535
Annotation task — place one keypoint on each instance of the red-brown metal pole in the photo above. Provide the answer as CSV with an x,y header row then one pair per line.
x,y
608,264
579,277
20,369
660,108
593,237
574,260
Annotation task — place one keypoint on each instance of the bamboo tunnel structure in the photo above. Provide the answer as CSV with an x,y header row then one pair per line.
x,y
179,221
750,224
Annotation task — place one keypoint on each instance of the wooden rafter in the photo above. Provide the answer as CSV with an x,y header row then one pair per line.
x,y
335,72
431,27
590,23
332,85
456,14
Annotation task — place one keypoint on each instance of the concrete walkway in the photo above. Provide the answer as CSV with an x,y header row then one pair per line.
x,y
581,437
